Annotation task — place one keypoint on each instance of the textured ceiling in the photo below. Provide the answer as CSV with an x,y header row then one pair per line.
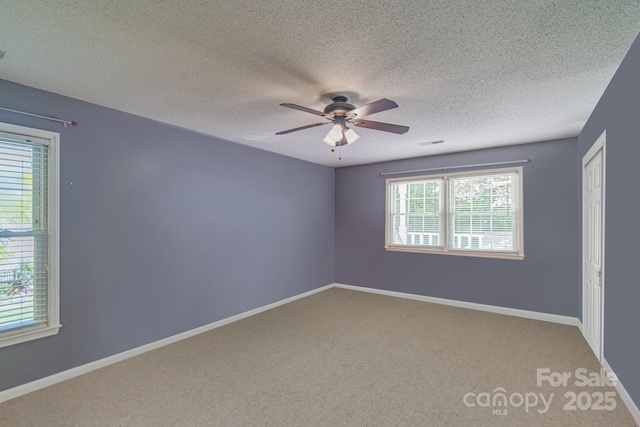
x,y
475,74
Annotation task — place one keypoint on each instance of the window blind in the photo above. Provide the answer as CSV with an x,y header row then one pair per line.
x,y
23,232
484,213
416,213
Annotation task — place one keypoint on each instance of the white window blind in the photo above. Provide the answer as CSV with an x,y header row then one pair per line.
x,y
416,213
484,213
469,213
24,255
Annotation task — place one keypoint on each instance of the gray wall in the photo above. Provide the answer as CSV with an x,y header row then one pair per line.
x,y
545,281
165,230
617,112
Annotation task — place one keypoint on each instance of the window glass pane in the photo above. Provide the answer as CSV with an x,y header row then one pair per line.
x,y
23,233
484,212
416,216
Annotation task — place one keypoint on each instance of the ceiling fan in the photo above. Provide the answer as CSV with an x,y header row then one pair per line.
x,y
340,113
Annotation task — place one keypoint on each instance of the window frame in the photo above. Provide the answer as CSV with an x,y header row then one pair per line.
x,y
52,325
446,215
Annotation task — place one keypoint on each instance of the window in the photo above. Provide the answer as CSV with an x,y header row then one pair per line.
x,y
28,234
474,214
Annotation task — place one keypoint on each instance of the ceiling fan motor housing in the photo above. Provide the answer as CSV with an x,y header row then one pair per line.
x,y
339,107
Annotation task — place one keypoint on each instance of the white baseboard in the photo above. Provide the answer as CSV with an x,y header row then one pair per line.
x,y
92,366
628,401
555,318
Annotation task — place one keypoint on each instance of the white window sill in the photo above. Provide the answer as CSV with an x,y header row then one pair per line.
x,y
28,335
440,251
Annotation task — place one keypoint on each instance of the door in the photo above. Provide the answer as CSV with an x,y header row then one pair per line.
x,y
593,176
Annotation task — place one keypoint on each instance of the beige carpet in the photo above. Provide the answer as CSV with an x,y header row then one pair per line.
x,y
337,358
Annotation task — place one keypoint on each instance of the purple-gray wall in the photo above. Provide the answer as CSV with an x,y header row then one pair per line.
x,y
545,281
165,230
618,112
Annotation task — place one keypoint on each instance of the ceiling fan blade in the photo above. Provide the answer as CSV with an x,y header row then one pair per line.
x,y
301,128
305,109
387,127
374,107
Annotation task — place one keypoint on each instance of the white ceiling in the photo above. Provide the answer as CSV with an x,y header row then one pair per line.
x,y
475,74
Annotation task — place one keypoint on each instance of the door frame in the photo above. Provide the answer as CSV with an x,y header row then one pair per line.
x,y
600,144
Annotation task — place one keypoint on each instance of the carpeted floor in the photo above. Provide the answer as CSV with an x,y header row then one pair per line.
x,y
341,358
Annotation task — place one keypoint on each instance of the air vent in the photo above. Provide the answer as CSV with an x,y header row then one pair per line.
x,y
431,142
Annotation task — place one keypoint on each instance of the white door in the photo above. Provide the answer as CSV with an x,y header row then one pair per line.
x,y
593,246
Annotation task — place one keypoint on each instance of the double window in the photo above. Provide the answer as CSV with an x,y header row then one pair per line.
x,y
475,214
28,234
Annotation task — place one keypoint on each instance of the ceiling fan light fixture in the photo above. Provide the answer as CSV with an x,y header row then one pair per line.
x,y
328,140
336,132
350,135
